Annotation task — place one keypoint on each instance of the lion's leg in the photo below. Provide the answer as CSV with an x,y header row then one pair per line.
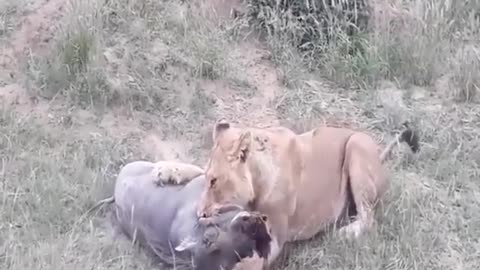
x,y
174,172
362,192
363,222
362,175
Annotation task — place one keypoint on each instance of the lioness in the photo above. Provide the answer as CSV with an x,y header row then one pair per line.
x,y
302,182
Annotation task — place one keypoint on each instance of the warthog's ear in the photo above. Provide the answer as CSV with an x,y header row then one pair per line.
x,y
220,126
262,237
255,228
244,145
187,244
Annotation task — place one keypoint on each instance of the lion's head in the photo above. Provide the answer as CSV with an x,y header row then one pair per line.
x,y
228,176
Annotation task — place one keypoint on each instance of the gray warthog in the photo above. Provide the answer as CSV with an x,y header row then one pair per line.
x,y
163,219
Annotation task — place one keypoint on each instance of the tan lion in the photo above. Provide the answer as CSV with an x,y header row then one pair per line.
x,y
302,182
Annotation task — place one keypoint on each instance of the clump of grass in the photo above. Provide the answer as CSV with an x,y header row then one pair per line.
x,y
203,45
317,33
9,9
419,39
73,68
466,75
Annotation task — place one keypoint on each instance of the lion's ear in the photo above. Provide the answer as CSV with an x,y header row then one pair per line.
x,y
244,145
220,126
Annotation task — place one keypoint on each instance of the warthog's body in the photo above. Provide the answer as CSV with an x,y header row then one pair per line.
x,y
160,218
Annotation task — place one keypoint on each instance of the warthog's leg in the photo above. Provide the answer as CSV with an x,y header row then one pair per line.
x,y
174,172
365,178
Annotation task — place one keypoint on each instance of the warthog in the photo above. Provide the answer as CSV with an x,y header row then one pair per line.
x,y
163,220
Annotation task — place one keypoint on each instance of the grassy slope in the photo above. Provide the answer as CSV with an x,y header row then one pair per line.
x,y
132,61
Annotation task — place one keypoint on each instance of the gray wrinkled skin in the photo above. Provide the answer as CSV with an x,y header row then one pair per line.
x,y
159,218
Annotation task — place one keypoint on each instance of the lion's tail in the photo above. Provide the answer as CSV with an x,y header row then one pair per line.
x,y
407,135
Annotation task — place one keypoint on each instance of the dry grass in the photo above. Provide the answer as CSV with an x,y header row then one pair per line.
x,y
129,53
48,179
148,58
9,9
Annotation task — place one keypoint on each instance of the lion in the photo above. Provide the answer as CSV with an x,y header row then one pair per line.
x,y
302,182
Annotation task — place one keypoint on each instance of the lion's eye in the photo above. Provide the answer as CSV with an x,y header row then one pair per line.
x,y
213,181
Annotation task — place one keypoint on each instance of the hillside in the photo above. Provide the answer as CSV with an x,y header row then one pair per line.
x,y
87,86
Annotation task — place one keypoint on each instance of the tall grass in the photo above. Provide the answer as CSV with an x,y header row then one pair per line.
x,y
73,68
358,43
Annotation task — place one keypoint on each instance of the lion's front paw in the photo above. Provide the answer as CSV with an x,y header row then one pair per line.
x,y
166,172
351,231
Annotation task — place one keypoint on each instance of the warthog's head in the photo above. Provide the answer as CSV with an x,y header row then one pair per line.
x,y
223,248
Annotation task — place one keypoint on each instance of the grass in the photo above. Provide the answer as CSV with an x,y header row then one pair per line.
x,y
9,9
48,180
127,53
73,68
145,64
411,42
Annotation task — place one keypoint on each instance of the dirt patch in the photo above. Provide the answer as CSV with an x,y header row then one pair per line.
x,y
35,31
257,98
16,96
